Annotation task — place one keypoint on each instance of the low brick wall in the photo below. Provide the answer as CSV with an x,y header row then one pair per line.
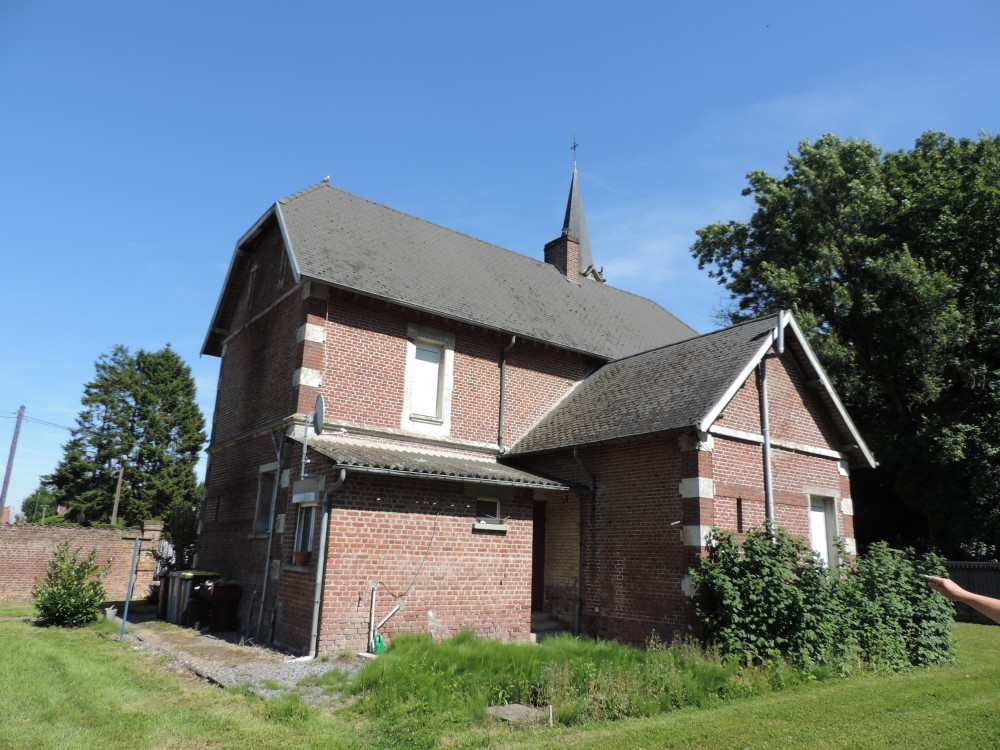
x,y
26,549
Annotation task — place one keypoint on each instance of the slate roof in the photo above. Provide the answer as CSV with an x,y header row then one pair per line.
x,y
664,389
575,222
682,385
349,242
370,459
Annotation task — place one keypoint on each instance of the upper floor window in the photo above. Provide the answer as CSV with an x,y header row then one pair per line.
x,y
430,355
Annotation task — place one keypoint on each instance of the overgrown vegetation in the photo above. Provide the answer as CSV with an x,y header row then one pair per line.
x,y
111,696
73,591
419,686
772,598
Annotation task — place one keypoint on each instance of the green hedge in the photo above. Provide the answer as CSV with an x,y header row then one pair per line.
x,y
772,597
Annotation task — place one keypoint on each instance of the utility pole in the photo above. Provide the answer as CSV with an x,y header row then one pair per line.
x,y
10,459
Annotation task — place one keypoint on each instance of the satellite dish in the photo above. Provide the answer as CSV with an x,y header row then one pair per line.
x,y
318,415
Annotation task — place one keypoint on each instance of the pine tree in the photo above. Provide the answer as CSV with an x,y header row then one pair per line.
x,y
139,413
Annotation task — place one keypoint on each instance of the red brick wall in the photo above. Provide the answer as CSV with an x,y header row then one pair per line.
x,y
25,551
632,558
364,361
562,555
414,541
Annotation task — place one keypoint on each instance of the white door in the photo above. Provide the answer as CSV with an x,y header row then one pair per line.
x,y
819,528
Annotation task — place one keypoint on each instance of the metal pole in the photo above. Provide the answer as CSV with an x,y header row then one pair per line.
x,y
131,577
766,431
118,492
10,459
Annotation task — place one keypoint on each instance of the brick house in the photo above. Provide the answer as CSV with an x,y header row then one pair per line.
x,y
500,436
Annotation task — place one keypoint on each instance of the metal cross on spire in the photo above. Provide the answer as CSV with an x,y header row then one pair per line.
x,y
574,147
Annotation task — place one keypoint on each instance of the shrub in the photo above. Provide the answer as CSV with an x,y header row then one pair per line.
x,y
773,598
72,593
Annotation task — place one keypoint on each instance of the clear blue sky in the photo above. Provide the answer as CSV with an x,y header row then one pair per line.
x,y
139,140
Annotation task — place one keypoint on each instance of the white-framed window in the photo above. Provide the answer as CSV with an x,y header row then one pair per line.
x,y
823,528
430,356
305,525
267,485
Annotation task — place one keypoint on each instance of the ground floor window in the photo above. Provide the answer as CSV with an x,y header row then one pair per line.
x,y
304,527
823,528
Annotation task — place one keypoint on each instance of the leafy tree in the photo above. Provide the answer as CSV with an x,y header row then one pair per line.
x,y
72,592
889,263
39,505
140,407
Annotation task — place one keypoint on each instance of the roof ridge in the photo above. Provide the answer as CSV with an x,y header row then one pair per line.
x,y
427,222
694,338
324,182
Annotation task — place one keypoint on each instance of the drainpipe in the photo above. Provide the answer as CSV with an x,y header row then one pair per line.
x,y
321,563
766,430
590,526
503,373
765,427
278,447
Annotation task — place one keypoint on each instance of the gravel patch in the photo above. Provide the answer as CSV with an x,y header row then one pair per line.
x,y
228,661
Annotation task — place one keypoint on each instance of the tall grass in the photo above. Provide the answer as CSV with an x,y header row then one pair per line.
x,y
453,681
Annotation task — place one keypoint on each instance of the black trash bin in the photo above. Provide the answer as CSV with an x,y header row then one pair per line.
x,y
223,601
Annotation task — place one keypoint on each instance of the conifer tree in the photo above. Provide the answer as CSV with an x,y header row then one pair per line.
x,y
139,419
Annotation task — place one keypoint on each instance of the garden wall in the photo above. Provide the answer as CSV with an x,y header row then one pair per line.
x,y
26,549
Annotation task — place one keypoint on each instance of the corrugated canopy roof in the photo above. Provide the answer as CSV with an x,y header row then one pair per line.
x,y
398,461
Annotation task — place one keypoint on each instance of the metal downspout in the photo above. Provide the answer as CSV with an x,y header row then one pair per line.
x,y
765,426
321,563
503,379
278,448
766,431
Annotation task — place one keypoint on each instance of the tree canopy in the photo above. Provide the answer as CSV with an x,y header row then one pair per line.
x,y
139,412
889,262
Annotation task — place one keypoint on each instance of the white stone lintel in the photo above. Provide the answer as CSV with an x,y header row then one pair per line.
x,y
311,332
697,487
687,586
694,536
307,376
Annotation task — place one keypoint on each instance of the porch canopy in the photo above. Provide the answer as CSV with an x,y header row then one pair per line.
x,y
368,458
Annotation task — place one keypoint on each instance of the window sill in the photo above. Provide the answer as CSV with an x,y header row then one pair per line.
x,y
425,419
298,568
498,528
257,535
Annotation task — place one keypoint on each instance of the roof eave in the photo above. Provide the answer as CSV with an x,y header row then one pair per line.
x,y
214,328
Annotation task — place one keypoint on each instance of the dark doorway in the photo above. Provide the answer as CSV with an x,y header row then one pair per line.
x,y
538,559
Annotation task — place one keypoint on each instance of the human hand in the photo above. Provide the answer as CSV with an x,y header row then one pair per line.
x,y
945,586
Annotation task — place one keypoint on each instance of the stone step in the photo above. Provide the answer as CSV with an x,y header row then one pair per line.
x,y
544,625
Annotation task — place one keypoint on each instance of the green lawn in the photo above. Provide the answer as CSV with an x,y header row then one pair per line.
x,y
83,689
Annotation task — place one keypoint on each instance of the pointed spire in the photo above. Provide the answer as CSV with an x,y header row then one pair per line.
x,y
575,223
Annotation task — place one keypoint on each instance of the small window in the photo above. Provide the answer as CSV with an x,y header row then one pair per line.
x,y
250,286
304,527
266,487
488,510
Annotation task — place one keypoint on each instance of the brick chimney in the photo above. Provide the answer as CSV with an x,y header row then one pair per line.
x,y
564,254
